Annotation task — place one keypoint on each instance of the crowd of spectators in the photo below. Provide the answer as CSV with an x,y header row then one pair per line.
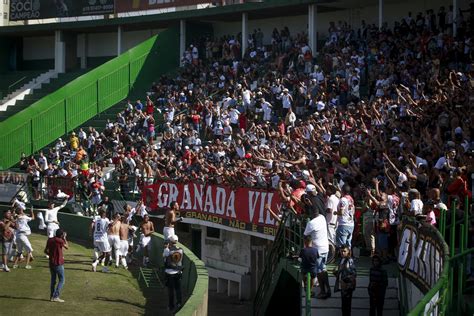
x,y
387,113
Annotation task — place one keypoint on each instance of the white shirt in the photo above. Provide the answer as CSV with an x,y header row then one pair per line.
x,y
100,228
51,215
286,100
331,205
318,230
234,116
267,111
416,206
393,202
240,151
275,180
346,206
43,163
195,53
22,224
441,162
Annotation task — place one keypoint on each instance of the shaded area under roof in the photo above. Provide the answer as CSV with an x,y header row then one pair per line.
x,y
228,13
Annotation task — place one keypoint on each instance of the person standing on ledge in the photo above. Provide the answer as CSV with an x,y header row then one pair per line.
x,y
54,250
173,257
147,229
170,220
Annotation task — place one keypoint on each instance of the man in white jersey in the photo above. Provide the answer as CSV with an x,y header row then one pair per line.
x,y
99,226
331,212
22,232
318,230
345,219
51,217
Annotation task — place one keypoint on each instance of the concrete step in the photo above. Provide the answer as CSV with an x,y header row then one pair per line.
x,y
357,302
354,312
361,292
364,281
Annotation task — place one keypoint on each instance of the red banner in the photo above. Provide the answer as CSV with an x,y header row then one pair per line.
x,y
138,5
241,208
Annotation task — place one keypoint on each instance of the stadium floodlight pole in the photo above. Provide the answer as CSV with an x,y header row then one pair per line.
x,y
182,40
380,14
245,32
312,29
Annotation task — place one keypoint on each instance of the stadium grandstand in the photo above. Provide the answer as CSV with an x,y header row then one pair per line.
x,y
237,157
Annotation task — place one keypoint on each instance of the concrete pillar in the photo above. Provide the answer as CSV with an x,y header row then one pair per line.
x,y
83,44
380,14
245,32
182,39
59,52
119,40
455,17
312,30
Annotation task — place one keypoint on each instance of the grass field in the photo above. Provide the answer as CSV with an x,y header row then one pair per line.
x,y
26,292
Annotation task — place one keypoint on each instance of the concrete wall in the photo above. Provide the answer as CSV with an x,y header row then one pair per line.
x,y
37,48
392,12
99,44
228,260
229,253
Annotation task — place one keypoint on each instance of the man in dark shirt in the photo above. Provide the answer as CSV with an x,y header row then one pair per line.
x,y
54,249
378,282
308,258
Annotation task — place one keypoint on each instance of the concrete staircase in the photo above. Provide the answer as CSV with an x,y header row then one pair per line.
x,y
360,300
35,90
31,81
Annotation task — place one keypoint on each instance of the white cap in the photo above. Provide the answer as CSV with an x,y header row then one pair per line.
x,y
173,239
395,138
458,130
310,188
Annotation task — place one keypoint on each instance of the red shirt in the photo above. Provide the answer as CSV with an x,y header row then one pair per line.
x,y
55,248
149,107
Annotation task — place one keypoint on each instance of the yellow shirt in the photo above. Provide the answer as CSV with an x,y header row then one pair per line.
x,y
74,140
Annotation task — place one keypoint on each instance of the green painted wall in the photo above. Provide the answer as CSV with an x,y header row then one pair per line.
x,y
68,107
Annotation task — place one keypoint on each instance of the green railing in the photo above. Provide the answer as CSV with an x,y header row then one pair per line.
x,y
271,263
447,296
287,244
78,101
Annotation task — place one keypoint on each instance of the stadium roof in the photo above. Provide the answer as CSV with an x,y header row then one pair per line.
x,y
255,10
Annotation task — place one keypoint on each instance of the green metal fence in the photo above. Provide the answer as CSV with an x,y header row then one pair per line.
x,y
447,297
70,106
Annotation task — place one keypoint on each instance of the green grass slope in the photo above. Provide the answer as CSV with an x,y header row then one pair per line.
x,y
26,292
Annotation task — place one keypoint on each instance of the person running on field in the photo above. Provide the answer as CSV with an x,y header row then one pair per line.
x,y
22,232
99,226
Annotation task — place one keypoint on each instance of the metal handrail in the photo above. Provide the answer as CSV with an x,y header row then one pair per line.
x,y
270,266
16,82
